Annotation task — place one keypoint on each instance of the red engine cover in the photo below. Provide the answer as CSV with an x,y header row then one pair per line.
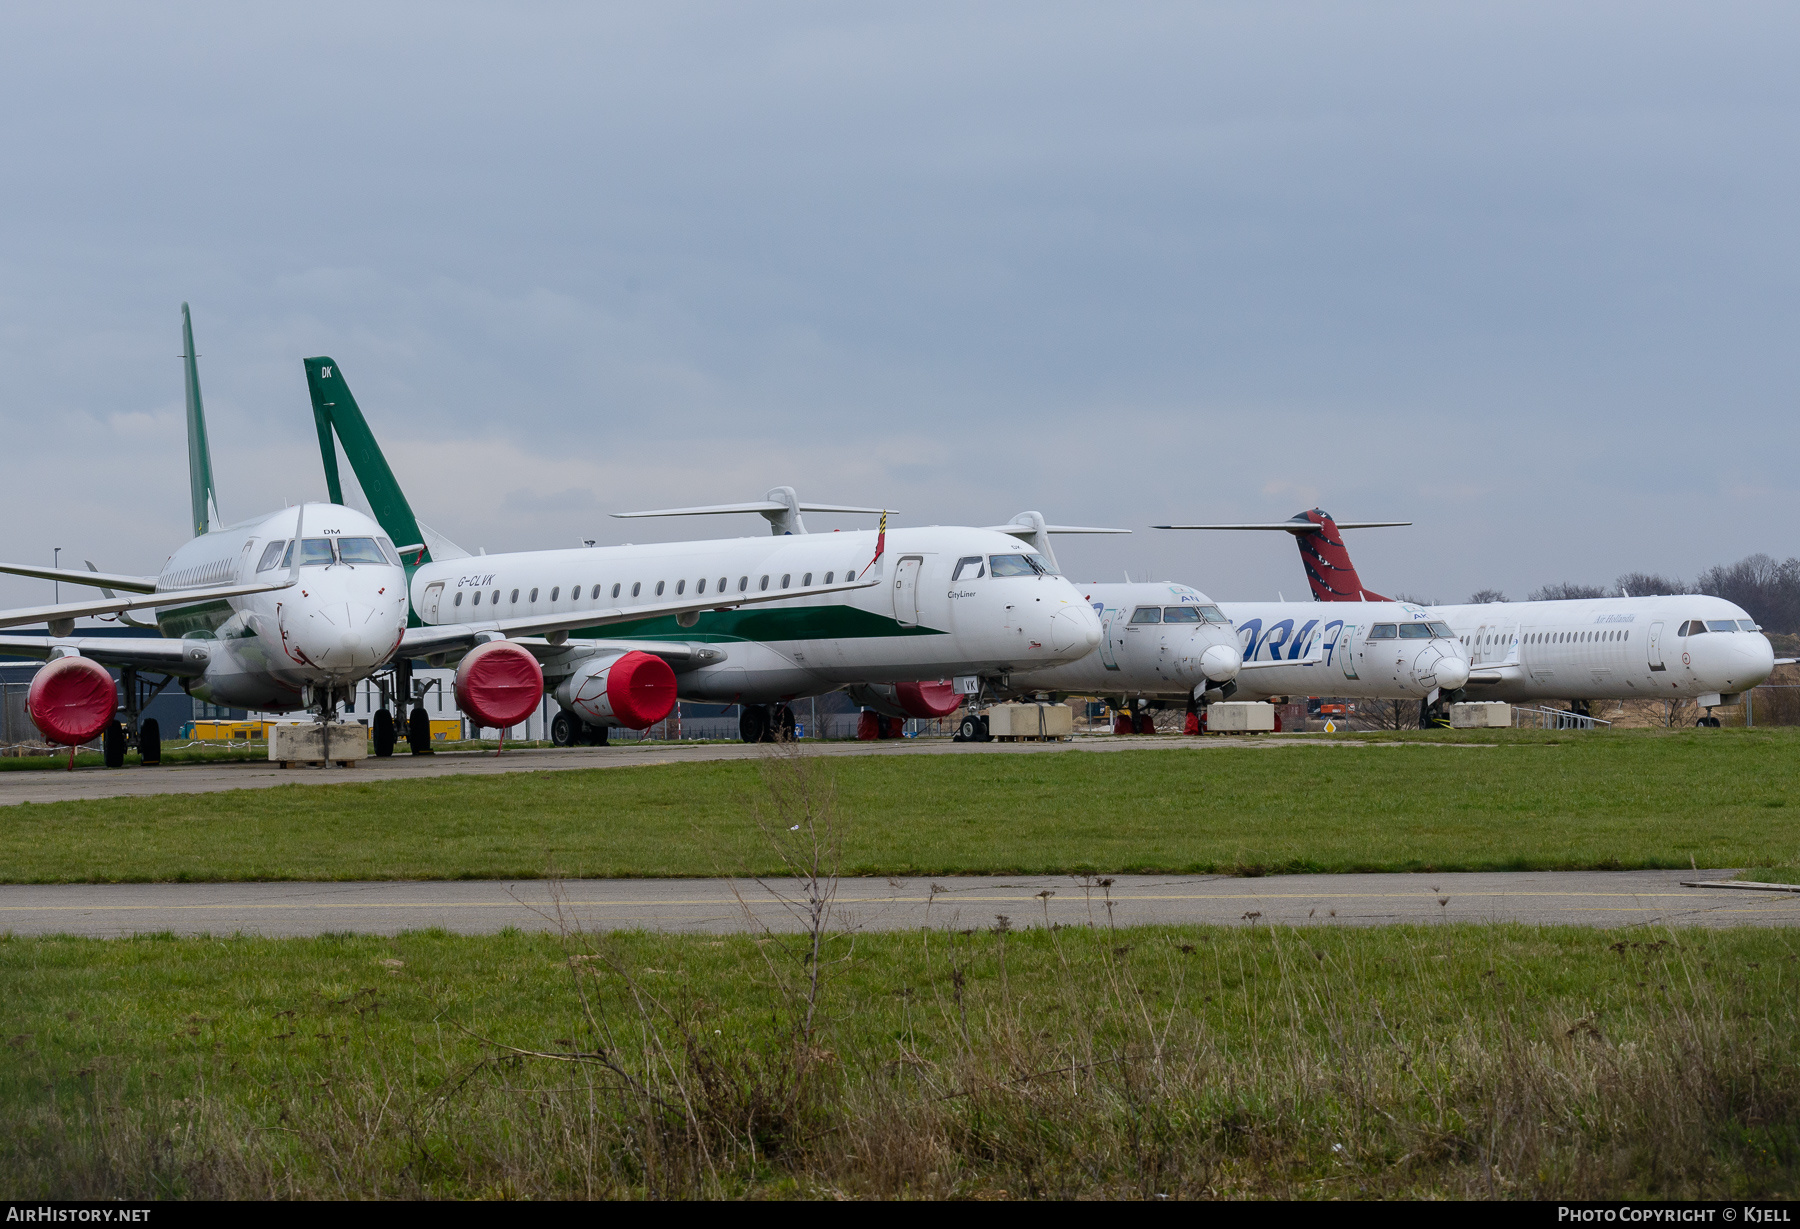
x,y
499,684
927,700
71,700
641,689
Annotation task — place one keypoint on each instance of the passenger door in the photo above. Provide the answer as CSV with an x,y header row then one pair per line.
x,y
1347,650
428,611
1107,632
906,591
1655,650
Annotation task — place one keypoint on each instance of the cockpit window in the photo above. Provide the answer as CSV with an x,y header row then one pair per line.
x,y
387,548
1442,631
1147,614
271,555
1721,625
360,550
1020,565
1748,625
1212,614
314,552
1415,631
1182,614
1382,631
1692,628
966,569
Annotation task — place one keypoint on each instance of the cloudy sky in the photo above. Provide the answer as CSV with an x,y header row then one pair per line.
x,y
1522,273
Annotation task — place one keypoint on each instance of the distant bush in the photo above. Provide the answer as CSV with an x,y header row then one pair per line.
x,y
1567,592
1770,591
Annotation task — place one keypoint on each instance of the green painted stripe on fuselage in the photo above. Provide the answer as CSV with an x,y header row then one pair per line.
x,y
791,623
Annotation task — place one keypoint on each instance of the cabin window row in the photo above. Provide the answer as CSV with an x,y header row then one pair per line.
x,y
660,590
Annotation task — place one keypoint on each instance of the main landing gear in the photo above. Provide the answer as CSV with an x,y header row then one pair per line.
x,y
766,723
568,730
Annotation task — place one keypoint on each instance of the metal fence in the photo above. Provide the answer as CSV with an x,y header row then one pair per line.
x,y
1553,719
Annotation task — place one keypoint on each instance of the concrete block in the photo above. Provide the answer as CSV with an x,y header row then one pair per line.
x,y
310,742
1486,715
1240,717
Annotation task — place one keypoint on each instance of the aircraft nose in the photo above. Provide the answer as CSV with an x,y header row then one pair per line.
x,y
1751,660
344,637
1435,668
1074,629
1221,663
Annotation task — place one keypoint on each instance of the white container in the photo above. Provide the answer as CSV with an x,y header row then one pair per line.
x,y
311,742
1487,715
1034,721
1240,717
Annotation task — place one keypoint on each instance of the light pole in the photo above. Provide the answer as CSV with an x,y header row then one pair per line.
x,y
56,562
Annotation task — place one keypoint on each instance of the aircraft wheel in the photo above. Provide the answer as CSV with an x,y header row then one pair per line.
x,y
970,730
597,735
382,730
150,741
785,725
112,745
753,723
418,731
562,729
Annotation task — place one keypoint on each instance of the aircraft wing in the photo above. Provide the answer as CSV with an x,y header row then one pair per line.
x,y
158,653
1019,531
449,637
70,611
755,505
93,579
1294,526
680,654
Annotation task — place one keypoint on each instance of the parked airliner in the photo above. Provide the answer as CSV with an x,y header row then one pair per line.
x,y
1687,647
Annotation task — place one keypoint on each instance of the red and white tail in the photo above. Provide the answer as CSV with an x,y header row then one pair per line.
x,y
1328,568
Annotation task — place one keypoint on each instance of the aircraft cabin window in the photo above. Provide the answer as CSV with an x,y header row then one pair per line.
x,y
615,589
1442,630
553,593
1143,614
659,588
1721,625
743,583
721,584
494,598
680,587
1382,631
1182,614
785,577
700,585
849,575
1014,565
1415,631
764,585
637,587
359,550
515,597
458,600
966,569
828,577
271,555
533,596
476,600
806,580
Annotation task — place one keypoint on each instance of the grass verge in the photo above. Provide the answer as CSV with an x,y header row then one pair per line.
x,y
1014,1060
1635,799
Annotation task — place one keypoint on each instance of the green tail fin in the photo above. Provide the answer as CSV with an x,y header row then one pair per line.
x,y
204,498
335,408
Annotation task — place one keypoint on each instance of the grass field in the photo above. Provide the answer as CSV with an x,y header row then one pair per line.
x,y
1639,799
1416,1061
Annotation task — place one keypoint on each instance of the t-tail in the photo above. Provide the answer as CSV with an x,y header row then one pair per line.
x,y
1328,568
203,497
335,409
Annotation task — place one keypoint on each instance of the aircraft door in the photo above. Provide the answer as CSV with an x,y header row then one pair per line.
x,y
428,610
1107,619
1347,650
1478,650
906,591
1656,661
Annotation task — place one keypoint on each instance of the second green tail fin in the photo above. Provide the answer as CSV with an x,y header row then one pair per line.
x,y
203,498
334,407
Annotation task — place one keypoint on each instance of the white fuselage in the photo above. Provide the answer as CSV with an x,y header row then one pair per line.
x,y
1161,659
338,625
1612,648
918,624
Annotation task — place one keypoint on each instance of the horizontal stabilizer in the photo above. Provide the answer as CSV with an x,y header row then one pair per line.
x,y
1293,526
755,505
441,548
73,576
1020,531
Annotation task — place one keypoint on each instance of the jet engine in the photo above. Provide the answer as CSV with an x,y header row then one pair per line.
x,y
499,684
921,700
71,700
635,690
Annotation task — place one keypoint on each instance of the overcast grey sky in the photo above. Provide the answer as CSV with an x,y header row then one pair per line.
x,y
1522,273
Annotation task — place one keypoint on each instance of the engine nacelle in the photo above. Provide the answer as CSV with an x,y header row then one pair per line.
x,y
499,684
71,699
922,700
635,690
